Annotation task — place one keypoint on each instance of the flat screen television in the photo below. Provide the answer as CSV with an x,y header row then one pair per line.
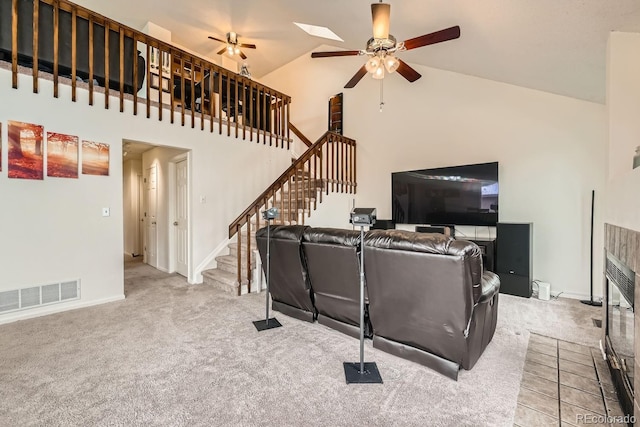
x,y
458,195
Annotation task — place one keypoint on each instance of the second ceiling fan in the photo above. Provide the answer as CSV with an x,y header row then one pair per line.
x,y
382,48
233,46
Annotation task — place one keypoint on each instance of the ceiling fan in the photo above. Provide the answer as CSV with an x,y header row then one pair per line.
x,y
382,48
233,47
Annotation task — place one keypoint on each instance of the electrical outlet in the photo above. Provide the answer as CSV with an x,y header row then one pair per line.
x,y
106,212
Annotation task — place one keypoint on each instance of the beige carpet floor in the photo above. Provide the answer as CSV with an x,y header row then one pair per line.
x,y
173,354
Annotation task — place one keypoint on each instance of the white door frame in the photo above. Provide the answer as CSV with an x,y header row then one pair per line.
x,y
172,214
147,217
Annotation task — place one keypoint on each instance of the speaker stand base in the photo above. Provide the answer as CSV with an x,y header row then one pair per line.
x,y
371,375
263,325
591,302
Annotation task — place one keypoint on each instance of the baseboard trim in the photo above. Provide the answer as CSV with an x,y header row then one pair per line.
x,y
58,308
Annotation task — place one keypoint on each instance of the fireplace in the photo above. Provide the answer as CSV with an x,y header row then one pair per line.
x,y
619,339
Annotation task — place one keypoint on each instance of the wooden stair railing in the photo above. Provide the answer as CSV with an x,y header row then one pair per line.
x,y
300,135
250,107
329,165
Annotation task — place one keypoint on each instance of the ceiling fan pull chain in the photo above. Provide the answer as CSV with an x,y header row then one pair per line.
x,y
381,95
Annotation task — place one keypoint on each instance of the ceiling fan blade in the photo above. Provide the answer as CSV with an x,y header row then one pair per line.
x,y
335,53
437,37
407,72
221,51
242,55
356,78
380,13
217,39
247,45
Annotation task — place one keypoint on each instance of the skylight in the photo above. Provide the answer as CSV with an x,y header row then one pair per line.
x,y
316,31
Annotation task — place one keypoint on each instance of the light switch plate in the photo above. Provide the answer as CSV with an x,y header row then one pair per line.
x,y
106,212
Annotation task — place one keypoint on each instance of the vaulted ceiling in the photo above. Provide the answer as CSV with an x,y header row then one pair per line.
x,y
556,46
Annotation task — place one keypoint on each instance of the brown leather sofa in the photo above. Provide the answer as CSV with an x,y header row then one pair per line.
x,y
289,283
333,264
429,300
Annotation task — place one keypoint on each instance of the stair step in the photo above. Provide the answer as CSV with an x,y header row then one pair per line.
x,y
233,247
222,280
229,263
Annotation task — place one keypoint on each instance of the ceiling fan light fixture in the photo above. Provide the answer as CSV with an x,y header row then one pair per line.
x,y
236,50
380,13
391,63
230,50
373,64
378,73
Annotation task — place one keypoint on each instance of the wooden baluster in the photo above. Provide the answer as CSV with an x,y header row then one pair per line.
x,y
36,20
321,159
315,179
228,105
182,87
258,115
309,185
212,98
248,253
280,134
74,58
343,169
135,75
257,212
148,79
290,192
160,65
355,176
14,44
287,123
202,95
333,163
56,24
193,92
276,119
236,102
220,102
107,33
91,30
282,201
121,75
244,109
250,117
239,255
172,96
271,122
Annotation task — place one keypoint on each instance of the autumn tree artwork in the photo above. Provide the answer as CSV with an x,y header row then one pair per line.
x,y
62,155
95,158
26,150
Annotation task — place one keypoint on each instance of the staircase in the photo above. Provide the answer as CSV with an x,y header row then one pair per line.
x,y
225,277
329,165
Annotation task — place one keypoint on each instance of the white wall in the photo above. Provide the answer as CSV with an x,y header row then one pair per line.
x,y
623,105
623,100
551,149
53,229
132,168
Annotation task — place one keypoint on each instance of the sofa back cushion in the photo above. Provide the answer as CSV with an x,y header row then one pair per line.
x,y
421,289
334,272
289,283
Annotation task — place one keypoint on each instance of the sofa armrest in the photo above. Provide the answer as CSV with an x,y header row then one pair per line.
x,y
490,286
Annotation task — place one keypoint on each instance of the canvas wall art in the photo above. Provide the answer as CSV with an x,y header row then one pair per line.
x,y
26,150
62,155
95,158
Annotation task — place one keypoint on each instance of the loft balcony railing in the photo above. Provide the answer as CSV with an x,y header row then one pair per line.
x,y
78,47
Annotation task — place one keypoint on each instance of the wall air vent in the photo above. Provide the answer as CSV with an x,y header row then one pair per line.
x,y
38,296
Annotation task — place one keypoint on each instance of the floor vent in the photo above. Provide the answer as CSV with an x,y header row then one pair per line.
x,y
37,296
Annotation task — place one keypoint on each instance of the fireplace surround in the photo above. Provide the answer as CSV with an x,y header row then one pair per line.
x,y
621,325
